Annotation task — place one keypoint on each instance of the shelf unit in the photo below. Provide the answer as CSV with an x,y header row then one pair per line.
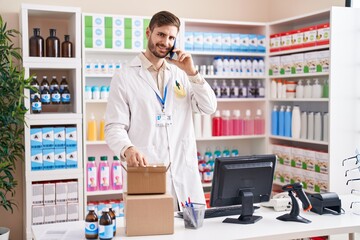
x,y
67,21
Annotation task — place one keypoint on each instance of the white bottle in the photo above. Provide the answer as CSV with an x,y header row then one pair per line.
x,y
296,122
225,90
219,67
303,128
88,67
206,127
197,125
317,126
299,93
283,90
273,89
310,126
261,89
316,89
95,66
226,66
217,89
255,67
261,67
279,88
326,127
243,67
307,89
237,66
232,66
248,67
234,90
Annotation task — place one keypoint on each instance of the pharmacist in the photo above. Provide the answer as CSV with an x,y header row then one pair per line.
x,y
150,106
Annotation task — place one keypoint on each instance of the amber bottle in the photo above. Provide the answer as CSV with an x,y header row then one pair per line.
x,y
36,44
67,47
52,44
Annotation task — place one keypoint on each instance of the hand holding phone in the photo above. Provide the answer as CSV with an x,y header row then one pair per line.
x,y
172,53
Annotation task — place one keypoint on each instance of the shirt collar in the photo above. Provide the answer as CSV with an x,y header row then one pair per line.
x,y
148,65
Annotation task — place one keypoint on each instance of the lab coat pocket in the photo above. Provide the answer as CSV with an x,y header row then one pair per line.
x,y
188,152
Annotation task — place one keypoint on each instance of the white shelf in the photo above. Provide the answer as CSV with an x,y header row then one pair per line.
x,y
238,54
231,138
102,193
95,143
96,101
56,174
299,100
232,77
300,50
241,99
51,117
51,62
303,75
111,51
101,75
299,140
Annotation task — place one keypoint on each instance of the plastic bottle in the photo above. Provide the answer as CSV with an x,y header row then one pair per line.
x,y
303,128
63,84
91,224
237,66
226,123
52,44
36,44
288,120
219,66
36,106
113,218
234,152
255,67
103,92
88,93
259,123
53,83
232,66
55,95
243,90
217,152
243,67
316,91
88,66
44,83
282,121
261,67
102,129
95,92
326,127
248,67
307,89
248,123
273,89
325,89
104,174
217,89
106,231
275,121
225,90
251,90
317,127
67,47
226,66
296,122
66,96
35,84
197,125
283,89
299,93
310,126
116,176
111,66
206,127
260,89
217,124
234,90
91,130
45,94
92,178
96,66
104,67
237,123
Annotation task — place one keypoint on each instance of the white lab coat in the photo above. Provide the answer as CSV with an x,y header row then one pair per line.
x,y
131,120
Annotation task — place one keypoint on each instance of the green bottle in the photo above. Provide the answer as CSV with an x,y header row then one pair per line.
x,y
326,89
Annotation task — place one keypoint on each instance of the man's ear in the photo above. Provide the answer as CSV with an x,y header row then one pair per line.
x,y
148,32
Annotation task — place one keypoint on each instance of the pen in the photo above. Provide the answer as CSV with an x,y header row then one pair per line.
x,y
177,84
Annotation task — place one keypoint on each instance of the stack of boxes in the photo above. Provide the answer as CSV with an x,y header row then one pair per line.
x,y
149,209
53,148
115,32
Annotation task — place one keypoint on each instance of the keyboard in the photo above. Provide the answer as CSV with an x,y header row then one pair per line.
x,y
222,211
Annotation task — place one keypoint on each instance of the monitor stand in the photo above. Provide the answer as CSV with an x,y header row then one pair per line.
x,y
247,210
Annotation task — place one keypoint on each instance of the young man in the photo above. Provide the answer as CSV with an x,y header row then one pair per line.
x,y
149,111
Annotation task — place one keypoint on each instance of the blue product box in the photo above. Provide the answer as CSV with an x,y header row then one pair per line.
x,y
189,41
207,41
225,42
71,157
198,41
36,138
48,137
48,159
235,42
253,43
244,42
36,160
216,38
121,209
261,47
59,137
60,158
70,137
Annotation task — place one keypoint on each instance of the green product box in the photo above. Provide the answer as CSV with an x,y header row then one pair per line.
x,y
128,23
88,43
88,32
128,43
108,43
88,21
145,42
146,23
108,22
128,33
109,33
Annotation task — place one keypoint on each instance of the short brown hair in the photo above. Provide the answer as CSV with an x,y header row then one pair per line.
x,y
164,18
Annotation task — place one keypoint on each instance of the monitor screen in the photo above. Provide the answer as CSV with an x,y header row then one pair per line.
x,y
242,180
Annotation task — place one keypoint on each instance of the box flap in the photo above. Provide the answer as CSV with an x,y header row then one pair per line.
x,y
148,169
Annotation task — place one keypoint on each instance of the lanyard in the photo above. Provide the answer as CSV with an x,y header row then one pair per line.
x,y
162,100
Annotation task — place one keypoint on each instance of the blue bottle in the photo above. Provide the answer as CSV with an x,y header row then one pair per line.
x,y
288,120
282,121
275,121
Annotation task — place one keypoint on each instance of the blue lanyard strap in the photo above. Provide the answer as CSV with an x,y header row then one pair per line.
x,y
162,100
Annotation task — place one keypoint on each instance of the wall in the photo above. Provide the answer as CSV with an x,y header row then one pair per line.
x,y
235,10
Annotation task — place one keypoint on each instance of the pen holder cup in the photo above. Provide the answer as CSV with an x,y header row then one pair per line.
x,y
194,215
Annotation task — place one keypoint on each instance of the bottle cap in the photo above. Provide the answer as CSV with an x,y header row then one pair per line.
x,y
91,159
258,112
115,158
248,113
103,158
236,113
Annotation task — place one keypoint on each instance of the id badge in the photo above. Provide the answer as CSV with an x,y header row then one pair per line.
x,y
163,120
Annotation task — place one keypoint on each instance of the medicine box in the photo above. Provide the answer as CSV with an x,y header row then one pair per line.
x,y
37,215
309,36
70,137
274,68
59,137
61,192
154,213
118,33
59,158
244,42
311,62
285,41
118,43
322,162
118,22
189,41
61,212
323,61
98,32
225,42
235,42
36,160
146,180
98,21
198,41
98,42
71,157
37,193
49,193
216,44
72,191
298,63
72,212
207,41
297,38
261,43
253,42
323,34
49,213
275,42
48,159
36,138
48,137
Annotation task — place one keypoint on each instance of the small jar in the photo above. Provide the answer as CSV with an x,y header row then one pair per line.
x,y
290,93
290,85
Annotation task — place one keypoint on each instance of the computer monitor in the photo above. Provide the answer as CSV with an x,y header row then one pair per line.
x,y
242,180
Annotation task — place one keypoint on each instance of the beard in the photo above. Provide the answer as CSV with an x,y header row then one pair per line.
x,y
152,48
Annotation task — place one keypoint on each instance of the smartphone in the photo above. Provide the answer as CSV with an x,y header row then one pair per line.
x,y
171,53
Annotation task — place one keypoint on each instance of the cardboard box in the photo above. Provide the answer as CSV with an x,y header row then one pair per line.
x,y
149,214
146,180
